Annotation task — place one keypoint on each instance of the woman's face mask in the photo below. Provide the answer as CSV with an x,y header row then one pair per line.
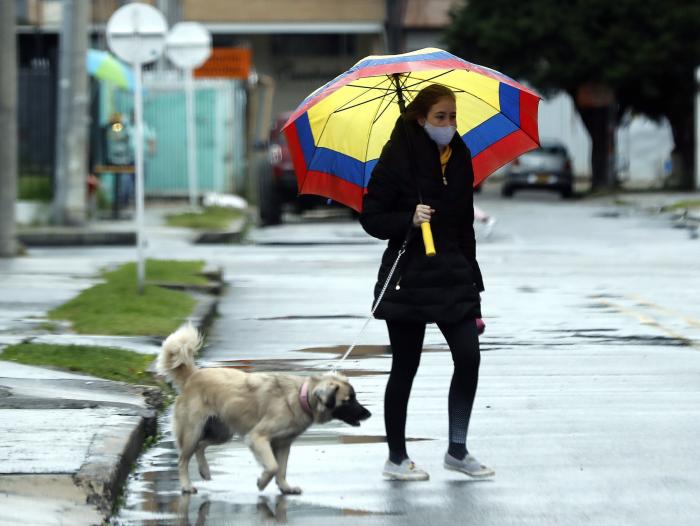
x,y
442,135
441,122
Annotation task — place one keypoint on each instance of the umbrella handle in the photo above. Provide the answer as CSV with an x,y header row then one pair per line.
x,y
428,239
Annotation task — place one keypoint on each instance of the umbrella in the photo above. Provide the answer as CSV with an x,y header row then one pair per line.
x,y
104,66
336,134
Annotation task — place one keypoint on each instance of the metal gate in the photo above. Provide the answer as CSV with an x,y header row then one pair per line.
x,y
220,127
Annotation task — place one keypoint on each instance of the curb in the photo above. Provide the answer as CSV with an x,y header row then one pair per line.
x,y
112,453
75,237
235,234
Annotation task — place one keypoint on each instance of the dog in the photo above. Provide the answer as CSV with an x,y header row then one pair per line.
x,y
270,409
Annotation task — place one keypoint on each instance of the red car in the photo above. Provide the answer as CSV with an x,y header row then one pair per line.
x,y
277,181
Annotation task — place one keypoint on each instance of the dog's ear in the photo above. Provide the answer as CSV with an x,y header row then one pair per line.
x,y
325,392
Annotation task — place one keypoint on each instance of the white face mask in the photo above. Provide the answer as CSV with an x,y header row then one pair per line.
x,y
442,135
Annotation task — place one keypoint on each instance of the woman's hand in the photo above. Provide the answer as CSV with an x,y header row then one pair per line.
x,y
422,214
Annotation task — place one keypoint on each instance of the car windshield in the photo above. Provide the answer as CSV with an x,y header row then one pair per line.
x,y
552,149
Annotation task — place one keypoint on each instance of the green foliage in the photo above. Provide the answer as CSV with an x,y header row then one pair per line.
x,y
688,204
209,218
34,187
645,51
115,307
102,362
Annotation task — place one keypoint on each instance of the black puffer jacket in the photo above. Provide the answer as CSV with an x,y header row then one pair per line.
x,y
443,288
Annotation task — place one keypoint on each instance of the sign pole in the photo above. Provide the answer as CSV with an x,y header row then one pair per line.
x,y
188,46
136,34
138,117
191,138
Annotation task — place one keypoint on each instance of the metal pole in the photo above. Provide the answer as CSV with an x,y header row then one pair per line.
x,y
138,117
697,128
8,128
191,138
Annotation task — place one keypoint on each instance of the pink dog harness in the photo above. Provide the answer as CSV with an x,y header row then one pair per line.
x,y
304,398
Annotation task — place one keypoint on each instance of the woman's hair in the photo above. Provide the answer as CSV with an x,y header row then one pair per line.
x,y
425,99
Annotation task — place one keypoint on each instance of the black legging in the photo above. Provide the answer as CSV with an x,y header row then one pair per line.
x,y
406,345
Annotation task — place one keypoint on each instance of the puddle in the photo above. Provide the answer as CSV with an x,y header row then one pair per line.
x,y
364,351
359,350
606,296
609,215
312,317
634,339
291,366
599,306
373,439
153,495
527,290
569,331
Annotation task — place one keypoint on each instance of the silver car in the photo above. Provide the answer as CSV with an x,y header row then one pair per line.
x,y
547,168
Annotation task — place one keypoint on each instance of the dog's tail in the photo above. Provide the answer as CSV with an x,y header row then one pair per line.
x,y
176,358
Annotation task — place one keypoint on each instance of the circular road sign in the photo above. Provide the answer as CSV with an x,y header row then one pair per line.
x,y
188,45
136,33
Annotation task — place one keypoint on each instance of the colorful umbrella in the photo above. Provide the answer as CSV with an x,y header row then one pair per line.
x,y
337,133
103,66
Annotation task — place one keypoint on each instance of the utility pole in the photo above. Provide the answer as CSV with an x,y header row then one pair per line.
x,y
72,123
394,25
8,128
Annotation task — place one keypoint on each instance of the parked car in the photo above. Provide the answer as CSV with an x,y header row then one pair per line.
x,y
277,180
547,168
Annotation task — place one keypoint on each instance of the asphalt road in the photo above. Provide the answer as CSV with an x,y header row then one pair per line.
x,y
588,405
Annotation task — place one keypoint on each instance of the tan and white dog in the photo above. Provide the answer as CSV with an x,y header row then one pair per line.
x,y
270,409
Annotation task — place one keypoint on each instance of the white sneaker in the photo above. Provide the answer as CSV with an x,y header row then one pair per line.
x,y
407,471
469,465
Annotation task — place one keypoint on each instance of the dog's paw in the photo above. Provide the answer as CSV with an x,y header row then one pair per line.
x,y
188,490
205,473
290,490
263,481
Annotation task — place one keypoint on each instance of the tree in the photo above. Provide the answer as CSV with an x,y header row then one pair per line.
x,y
624,55
8,128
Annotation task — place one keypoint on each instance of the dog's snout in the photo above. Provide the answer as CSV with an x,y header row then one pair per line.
x,y
351,412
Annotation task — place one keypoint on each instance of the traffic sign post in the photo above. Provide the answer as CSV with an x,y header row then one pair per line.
x,y
188,47
136,34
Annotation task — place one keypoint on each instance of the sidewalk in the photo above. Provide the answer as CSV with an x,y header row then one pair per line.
x,y
68,441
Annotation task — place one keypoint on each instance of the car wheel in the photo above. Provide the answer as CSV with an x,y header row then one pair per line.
x,y
269,203
567,192
507,191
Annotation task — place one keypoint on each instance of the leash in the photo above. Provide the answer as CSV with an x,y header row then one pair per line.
x,y
334,369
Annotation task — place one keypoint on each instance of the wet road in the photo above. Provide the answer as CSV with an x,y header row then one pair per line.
x,y
589,398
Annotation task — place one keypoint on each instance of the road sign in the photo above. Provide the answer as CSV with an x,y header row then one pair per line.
x,y
189,45
136,34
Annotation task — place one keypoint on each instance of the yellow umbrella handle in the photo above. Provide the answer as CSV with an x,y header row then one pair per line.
x,y
428,239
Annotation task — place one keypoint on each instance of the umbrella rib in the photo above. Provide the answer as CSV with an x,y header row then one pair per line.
x,y
367,88
421,81
360,103
389,101
369,134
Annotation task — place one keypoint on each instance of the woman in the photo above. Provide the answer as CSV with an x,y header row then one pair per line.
x,y
426,160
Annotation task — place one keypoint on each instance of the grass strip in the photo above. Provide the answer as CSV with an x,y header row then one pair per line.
x,y
116,308
682,205
103,362
209,218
